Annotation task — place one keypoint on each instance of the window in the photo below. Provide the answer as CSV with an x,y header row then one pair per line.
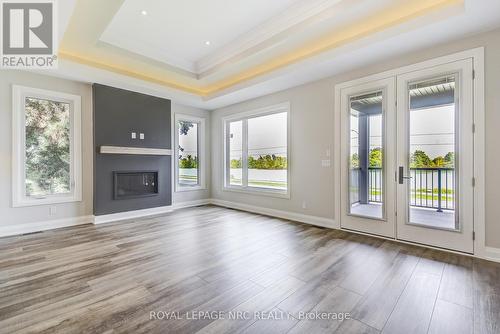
x,y
46,147
189,153
256,151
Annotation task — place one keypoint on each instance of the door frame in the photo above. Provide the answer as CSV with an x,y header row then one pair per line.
x,y
477,55
384,226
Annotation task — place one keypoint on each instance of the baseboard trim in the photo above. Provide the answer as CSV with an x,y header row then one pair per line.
x,y
298,217
491,254
18,229
190,204
101,219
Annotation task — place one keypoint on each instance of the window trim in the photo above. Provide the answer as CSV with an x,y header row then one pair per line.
x,y
19,198
243,116
202,184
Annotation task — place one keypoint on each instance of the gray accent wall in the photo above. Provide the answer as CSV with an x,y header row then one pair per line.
x,y
118,113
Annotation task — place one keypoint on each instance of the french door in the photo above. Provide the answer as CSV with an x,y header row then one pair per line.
x,y
435,156
368,154
407,156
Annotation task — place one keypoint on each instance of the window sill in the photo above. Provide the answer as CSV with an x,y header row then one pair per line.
x,y
181,189
258,191
44,201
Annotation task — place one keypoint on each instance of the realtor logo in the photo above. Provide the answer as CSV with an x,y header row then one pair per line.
x,y
28,34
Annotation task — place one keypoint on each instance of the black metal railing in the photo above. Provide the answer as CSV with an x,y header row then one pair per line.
x,y
433,188
429,187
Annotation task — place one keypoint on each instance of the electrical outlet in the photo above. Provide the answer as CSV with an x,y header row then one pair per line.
x,y
133,135
52,210
304,205
141,136
326,163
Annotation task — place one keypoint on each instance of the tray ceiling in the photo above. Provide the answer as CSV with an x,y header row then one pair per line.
x,y
210,49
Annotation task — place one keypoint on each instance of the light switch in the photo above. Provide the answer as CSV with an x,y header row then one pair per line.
x,y
141,136
134,135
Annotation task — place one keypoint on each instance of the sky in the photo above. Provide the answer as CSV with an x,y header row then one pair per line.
x,y
266,135
189,142
431,131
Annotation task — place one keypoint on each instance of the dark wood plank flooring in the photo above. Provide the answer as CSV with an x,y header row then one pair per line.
x,y
270,275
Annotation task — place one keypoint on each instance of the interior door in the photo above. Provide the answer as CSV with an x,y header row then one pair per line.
x,y
368,158
435,156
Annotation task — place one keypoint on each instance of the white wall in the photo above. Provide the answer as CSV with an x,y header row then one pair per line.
x,y
312,108
193,195
16,219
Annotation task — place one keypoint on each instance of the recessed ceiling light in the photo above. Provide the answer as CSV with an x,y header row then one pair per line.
x,y
207,43
144,13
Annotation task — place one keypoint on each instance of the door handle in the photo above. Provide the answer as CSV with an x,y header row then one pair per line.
x,y
403,177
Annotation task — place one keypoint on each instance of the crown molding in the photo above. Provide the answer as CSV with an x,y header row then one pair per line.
x,y
107,64
297,14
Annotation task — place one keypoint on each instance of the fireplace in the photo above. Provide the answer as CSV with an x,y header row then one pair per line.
x,y
134,184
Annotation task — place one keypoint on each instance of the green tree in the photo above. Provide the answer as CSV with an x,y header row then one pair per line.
x,y
439,162
420,159
355,160
267,161
236,163
47,146
188,162
183,131
449,159
184,127
376,158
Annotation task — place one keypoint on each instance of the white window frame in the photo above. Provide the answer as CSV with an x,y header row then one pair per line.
x,y
244,117
19,198
202,184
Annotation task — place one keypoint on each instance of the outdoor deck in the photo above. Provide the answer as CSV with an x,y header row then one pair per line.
x,y
420,216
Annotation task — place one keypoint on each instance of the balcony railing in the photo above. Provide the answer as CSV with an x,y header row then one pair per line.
x,y
432,188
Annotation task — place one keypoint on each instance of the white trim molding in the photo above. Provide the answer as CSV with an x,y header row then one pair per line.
x,y
19,229
244,117
134,150
100,219
19,197
190,204
293,216
491,254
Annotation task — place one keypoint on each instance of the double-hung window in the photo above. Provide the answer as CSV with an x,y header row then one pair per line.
x,y
257,151
189,153
46,161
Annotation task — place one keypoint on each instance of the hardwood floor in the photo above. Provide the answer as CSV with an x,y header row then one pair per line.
x,y
269,275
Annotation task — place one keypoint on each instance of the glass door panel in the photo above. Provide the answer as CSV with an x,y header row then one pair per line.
x,y
366,163
433,120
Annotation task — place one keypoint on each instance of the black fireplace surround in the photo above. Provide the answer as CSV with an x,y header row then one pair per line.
x,y
117,114
135,184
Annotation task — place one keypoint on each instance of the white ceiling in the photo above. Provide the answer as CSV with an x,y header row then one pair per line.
x,y
478,16
175,31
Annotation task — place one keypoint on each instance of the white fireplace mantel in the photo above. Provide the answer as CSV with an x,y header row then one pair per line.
x,y
134,150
